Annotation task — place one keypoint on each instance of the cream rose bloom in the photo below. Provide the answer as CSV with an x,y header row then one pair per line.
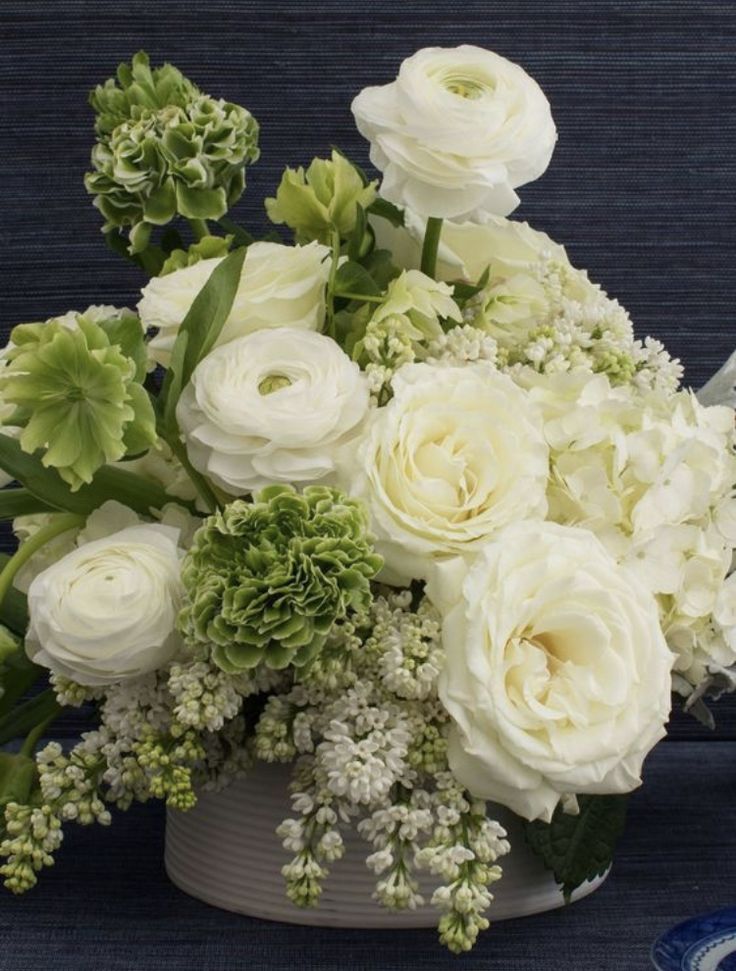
x,y
456,132
106,611
273,406
456,454
281,286
557,674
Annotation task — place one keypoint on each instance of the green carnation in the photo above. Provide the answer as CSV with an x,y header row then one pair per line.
x,y
76,386
266,580
165,148
323,198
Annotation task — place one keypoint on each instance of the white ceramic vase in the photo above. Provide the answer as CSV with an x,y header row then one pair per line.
x,y
225,852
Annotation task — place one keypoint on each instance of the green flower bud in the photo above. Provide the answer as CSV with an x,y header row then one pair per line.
x,y
323,198
164,148
266,580
75,385
207,248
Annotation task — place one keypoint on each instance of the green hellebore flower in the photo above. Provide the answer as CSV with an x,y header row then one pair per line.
x,y
165,148
75,385
266,580
324,197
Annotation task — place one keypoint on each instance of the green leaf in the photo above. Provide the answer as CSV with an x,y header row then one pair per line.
x,y
200,329
18,674
24,717
381,267
387,210
579,848
18,777
109,482
20,502
353,278
241,237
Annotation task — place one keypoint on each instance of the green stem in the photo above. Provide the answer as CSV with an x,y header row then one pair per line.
x,y
199,227
60,524
201,484
331,283
358,296
431,244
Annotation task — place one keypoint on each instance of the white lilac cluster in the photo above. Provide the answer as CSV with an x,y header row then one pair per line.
x,y
550,317
159,736
370,741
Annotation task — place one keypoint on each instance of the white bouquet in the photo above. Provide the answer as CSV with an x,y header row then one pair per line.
x,y
402,501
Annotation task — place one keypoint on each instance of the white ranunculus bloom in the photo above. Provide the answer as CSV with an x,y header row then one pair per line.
x,y
456,454
281,286
456,132
273,406
106,611
557,673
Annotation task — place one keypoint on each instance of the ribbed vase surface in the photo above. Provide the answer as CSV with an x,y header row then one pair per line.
x,y
225,852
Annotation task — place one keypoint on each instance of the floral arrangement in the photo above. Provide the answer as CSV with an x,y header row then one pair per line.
x,y
402,501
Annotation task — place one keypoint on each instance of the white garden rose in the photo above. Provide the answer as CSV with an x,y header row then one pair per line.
x,y
274,406
456,454
557,674
281,286
456,132
106,611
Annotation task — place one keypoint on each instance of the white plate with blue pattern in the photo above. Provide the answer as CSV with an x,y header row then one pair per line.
x,y
706,943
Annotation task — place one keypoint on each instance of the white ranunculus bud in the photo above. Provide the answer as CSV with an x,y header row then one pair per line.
x,y
456,454
281,286
106,611
456,132
273,406
557,673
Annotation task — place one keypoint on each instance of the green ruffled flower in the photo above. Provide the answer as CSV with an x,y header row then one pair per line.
x,y
324,197
266,580
165,148
76,386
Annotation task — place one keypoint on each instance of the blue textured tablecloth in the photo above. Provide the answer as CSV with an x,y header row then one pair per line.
x,y
108,906
641,189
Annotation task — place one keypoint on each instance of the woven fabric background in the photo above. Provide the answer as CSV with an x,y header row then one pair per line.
x,y
641,190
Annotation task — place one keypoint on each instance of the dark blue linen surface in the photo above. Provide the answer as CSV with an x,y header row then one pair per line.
x,y
107,905
640,189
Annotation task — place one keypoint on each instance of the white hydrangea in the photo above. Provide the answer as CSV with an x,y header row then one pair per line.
x,y
653,475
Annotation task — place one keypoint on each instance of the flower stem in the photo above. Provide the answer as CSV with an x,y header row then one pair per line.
x,y
198,480
331,283
431,244
199,227
60,524
359,296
